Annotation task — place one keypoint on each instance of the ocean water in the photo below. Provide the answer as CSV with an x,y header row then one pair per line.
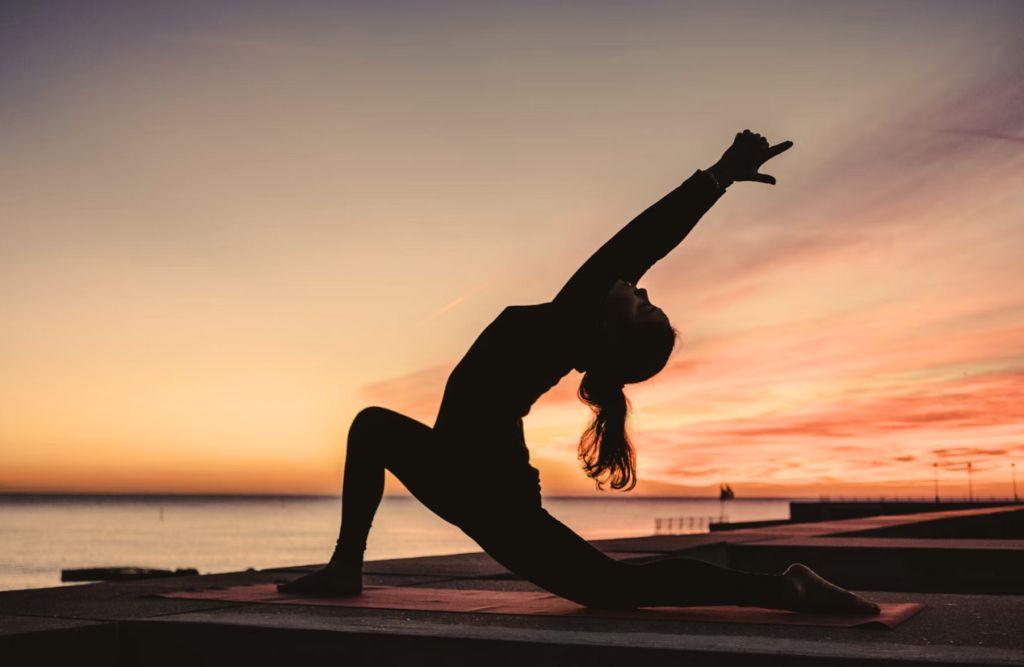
x,y
41,535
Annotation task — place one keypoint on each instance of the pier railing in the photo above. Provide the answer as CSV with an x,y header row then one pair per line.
x,y
686,525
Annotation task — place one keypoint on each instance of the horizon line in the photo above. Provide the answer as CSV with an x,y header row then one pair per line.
x,y
243,496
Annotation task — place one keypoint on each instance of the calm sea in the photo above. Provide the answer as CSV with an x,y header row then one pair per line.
x,y
40,535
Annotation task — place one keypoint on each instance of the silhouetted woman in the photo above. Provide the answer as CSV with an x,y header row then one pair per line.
x,y
473,468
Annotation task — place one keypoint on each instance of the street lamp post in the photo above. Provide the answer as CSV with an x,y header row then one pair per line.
x,y
970,489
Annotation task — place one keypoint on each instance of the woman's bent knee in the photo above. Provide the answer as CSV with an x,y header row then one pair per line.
x,y
370,421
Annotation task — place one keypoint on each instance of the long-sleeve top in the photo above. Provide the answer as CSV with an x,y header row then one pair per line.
x,y
527,350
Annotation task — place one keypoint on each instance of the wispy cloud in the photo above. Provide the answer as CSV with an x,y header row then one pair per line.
x,y
273,47
444,309
417,395
988,134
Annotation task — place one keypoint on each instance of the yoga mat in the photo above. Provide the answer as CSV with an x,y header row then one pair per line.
x,y
540,604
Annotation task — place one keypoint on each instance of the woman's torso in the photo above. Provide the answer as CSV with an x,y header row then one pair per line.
x,y
522,354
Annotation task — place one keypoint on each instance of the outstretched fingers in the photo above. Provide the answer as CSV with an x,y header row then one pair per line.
x,y
778,148
763,178
769,153
744,158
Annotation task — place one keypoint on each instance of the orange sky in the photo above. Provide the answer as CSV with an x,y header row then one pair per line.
x,y
222,233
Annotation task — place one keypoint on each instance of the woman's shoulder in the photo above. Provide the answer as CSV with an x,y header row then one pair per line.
x,y
546,309
541,317
547,305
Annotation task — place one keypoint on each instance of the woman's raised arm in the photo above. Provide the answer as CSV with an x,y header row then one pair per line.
x,y
659,229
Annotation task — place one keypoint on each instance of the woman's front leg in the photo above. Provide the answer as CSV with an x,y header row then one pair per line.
x,y
378,440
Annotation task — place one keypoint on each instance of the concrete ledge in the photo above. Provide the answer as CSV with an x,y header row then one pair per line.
x,y
839,510
216,640
26,640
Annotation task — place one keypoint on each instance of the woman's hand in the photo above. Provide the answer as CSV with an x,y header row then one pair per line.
x,y
742,160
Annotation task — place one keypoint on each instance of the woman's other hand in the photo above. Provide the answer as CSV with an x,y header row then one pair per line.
x,y
743,159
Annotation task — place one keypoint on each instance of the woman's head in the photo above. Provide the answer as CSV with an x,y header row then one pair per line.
x,y
636,337
634,344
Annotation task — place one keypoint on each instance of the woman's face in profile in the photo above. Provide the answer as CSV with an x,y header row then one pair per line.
x,y
627,304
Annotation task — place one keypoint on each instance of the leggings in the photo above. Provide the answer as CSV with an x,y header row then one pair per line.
x,y
522,537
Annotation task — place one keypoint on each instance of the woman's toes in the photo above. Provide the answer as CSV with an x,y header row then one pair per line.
x,y
307,582
328,580
808,592
869,607
292,586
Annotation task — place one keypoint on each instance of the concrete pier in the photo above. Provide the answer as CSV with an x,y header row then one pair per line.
x,y
974,610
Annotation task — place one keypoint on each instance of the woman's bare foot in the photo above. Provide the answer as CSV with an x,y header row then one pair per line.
x,y
806,592
334,578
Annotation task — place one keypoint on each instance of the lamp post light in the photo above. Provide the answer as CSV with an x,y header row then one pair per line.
x,y
970,489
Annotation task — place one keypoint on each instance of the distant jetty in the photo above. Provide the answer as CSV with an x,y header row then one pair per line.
x,y
122,574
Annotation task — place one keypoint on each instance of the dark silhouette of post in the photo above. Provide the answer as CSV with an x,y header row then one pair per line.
x,y
936,467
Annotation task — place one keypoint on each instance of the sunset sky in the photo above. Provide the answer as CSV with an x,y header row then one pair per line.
x,y
226,227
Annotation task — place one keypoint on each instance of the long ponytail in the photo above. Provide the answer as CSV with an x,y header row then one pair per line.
x,y
605,449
